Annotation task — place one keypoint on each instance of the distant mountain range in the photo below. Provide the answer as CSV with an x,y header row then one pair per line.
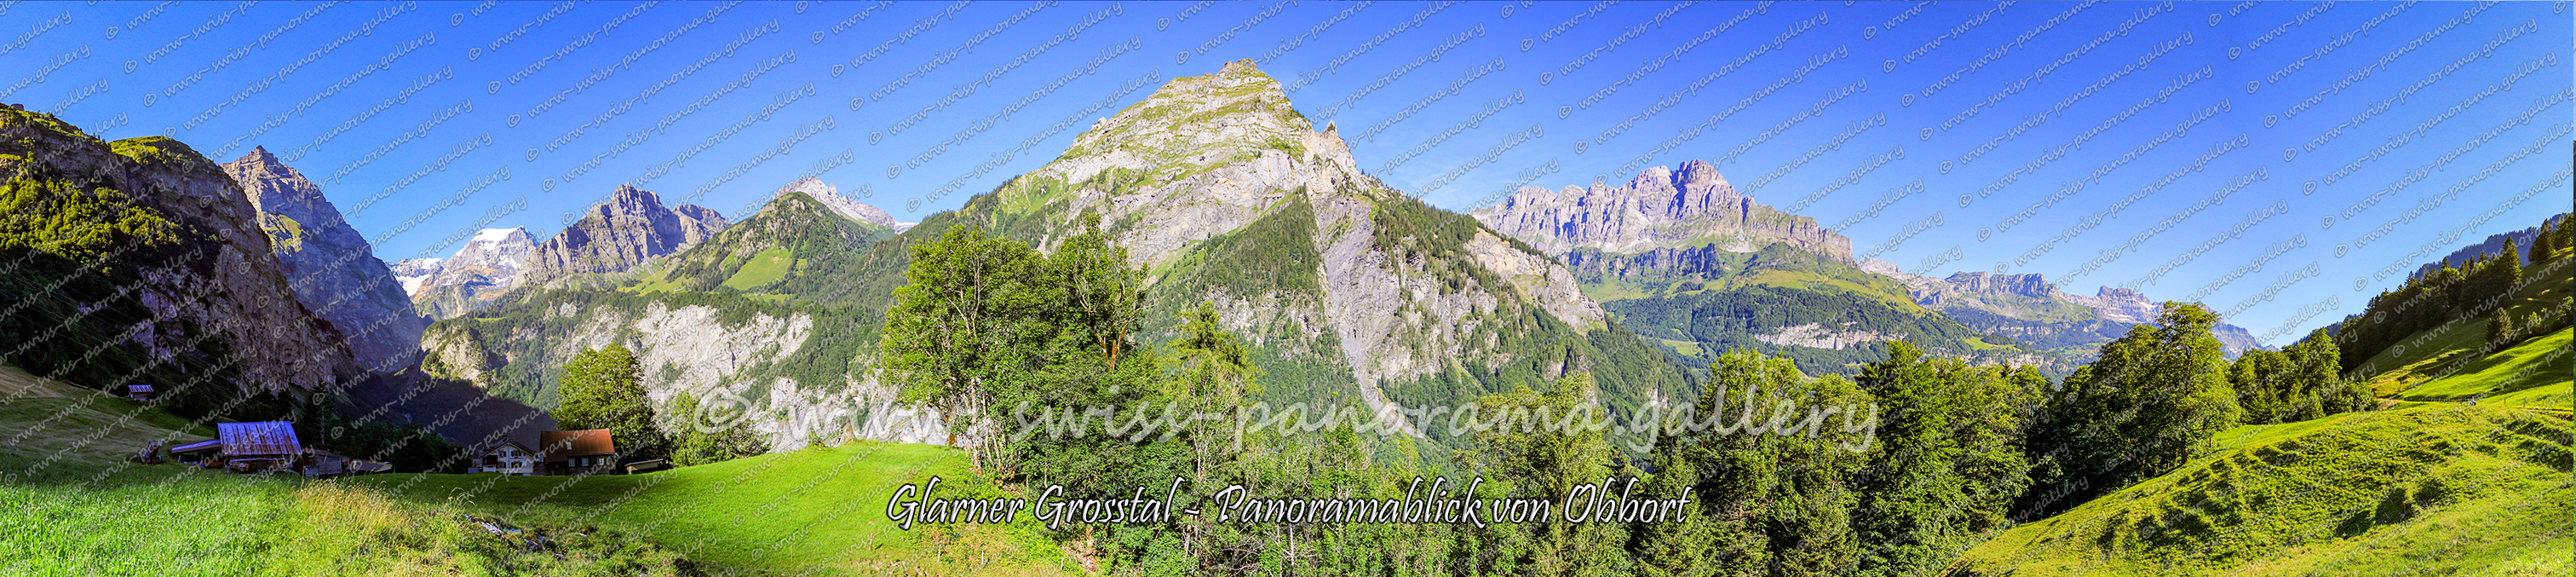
x,y
2029,309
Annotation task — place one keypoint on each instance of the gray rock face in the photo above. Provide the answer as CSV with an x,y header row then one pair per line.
x,y
331,268
830,196
690,349
614,236
487,266
226,281
1656,264
2027,308
1208,155
1659,208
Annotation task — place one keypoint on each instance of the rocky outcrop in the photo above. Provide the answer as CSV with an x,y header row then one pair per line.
x,y
2029,309
1206,156
331,268
214,276
614,236
830,196
1660,208
476,276
1662,264
692,349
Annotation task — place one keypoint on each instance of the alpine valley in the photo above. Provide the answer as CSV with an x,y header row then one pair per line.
x,y
240,293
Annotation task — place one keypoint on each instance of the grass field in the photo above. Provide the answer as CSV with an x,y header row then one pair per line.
x,y
766,267
71,504
819,509
2534,373
2437,488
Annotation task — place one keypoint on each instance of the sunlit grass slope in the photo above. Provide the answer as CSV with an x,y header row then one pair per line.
x,y
2436,488
72,504
821,510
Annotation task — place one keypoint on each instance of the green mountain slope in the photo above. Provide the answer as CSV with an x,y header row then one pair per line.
x,y
1828,315
2435,489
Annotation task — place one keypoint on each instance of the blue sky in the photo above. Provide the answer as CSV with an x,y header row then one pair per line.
x,y
2193,149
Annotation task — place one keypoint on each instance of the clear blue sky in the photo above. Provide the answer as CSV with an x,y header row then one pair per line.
x,y
1983,104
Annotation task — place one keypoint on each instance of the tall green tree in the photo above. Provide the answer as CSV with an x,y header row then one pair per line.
x,y
2153,399
1948,462
1542,448
603,388
1769,503
699,440
968,318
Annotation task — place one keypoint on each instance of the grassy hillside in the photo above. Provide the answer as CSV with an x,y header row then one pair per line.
x,y
71,503
2433,488
2531,374
814,511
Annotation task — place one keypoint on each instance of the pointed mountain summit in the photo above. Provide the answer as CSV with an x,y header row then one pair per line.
x,y
628,229
797,243
830,196
476,275
181,287
328,264
1231,196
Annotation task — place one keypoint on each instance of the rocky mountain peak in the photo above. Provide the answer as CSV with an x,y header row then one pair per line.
x,y
613,236
329,265
2030,285
830,196
474,276
226,286
1659,208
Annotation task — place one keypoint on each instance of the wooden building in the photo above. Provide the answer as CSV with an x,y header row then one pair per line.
x,y
140,393
584,452
506,457
247,447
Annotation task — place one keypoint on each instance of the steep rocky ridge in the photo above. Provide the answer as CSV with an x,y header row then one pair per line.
x,y
631,227
476,276
795,361
1683,207
830,196
2028,309
1355,277
176,240
331,268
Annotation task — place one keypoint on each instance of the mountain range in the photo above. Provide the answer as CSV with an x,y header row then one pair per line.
x,y
1223,192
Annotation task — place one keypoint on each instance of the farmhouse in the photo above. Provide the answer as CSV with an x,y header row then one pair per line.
x,y
584,452
139,393
246,447
506,457
270,446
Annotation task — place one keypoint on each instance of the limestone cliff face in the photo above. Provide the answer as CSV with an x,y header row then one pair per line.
x,y
219,275
830,196
614,236
1207,156
1660,208
1652,265
331,268
689,349
2029,309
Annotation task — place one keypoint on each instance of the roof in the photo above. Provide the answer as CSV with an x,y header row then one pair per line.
x,y
559,445
488,448
138,388
261,438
